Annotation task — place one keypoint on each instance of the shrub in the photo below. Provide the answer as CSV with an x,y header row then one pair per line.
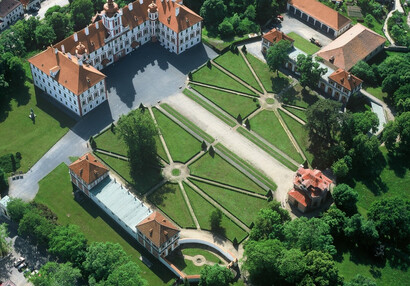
x,y
225,29
239,119
247,124
8,163
204,146
212,151
209,64
18,156
190,75
244,49
112,127
3,180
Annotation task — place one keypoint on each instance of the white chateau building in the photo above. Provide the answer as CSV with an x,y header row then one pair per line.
x,y
69,71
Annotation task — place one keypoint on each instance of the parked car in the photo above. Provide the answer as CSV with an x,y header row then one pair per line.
x,y
280,17
22,266
316,42
19,261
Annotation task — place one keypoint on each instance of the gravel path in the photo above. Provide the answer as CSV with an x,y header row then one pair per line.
x,y
234,141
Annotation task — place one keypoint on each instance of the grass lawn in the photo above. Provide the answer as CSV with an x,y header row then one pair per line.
x,y
205,253
299,113
217,42
185,265
377,92
237,65
56,192
169,199
242,206
216,77
217,169
303,44
231,103
19,133
228,120
299,97
121,167
187,123
300,134
202,209
180,143
271,81
267,125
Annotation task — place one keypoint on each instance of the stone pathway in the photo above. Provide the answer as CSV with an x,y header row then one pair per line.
x,y
253,71
121,157
397,7
191,211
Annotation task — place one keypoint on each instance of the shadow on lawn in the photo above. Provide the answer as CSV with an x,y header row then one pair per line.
x,y
20,94
157,267
159,196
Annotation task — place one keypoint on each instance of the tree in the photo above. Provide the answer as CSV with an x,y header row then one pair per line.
x,y
5,246
403,129
310,71
213,12
16,209
4,184
358,123
53,273
60,23
45,35
265,9
98,5
69,244
25,28
345,198
215,276
268,225
360,280
402,98
81,13
51,10
366,150
292,266
11,41
247,123
283,213
211,151
392,219
278,55
340,168
321,270
336,220
13,69
399,35
36,226
138,132
127,274
239,119
361,231
250,12
215,219
363,70
102,259
226,29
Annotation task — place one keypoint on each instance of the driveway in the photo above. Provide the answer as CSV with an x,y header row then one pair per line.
x,y
44,6
146,76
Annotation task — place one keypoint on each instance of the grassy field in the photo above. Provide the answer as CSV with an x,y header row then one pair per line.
x,y
56,192
217,169
145,182
214,76
187,123
185,265
303,44
237,65
300,134
267,125
242,206
231,103
217,42
198,251
20,133
272,82
377,92
169,199
180,143
299,113
298,97
228,120
202,209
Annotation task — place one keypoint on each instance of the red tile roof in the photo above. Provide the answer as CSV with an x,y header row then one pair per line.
x,y
322,13
313,180
345,79
88,168
299,197
76,78
157,228
275,36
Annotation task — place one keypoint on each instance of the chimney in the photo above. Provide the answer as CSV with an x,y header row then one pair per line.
x,y
80,63
343,79
75,37
56,51
121,12
69,56
87,31
63,49
86,157
81,171
332,59
97,25
141,2
130,6
176,11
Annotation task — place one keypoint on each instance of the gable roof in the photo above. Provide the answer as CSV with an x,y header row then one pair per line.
x,y
313,180
75,77
300,198
351,47
157,228
88,168
345,79
6,6
275,36
322,13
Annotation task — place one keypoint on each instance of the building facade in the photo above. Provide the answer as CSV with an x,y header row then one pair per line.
x,y
272,37
114,33
10,12
30,4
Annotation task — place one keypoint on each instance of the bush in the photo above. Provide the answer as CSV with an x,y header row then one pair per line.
x,y
239,119
204,146
345,198
209,64
17,209
9,163
190,75
244,49
212,151
226,30
4,184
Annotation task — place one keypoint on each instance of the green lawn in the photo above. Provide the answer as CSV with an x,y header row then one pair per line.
x,y
299,97
202,209
300,134
216,77
146,181
303,44
19,133
299,113
217,169
242,206
169,199
185,265
180,143
237,65
272,82
231,103
377,92
55,191
199,251
217,42
228,120
267,125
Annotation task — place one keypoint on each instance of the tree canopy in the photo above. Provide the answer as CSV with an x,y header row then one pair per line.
x,y
56,274
81,13
321,270
127,274
5,246
278,55
17,208
215,276
345,198
310,71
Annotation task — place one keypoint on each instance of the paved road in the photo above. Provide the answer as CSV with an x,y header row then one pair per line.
x,y
234,141
147,75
